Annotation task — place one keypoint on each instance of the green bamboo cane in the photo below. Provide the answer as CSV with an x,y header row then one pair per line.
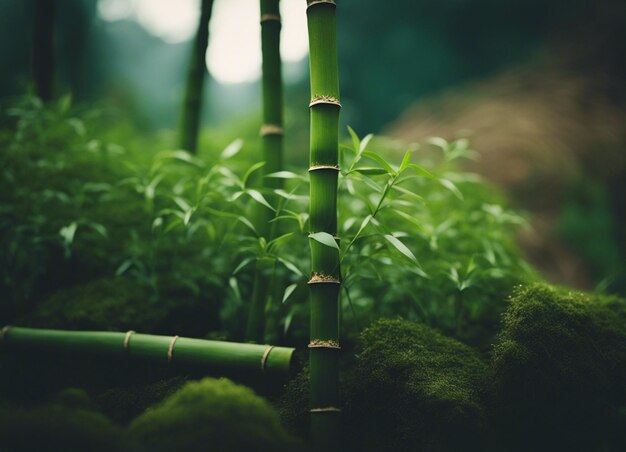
x,y
43,48
192,103
253,359
272,140
326,275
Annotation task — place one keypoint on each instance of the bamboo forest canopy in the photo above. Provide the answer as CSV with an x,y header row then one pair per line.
x,y
389,56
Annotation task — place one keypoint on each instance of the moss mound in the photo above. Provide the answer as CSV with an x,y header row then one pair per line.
x,y
213,414
104,304
68,423
560,366
411,388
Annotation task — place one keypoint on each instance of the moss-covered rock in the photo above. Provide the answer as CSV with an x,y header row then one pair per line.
x,y
410,388
68,423
560,368
211,414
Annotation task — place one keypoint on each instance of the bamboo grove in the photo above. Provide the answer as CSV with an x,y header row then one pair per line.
x,y
325,265
325,280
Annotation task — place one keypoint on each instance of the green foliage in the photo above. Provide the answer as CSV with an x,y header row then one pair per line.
x,y
410,388
215,414
67,423
423,241
119,304
560,367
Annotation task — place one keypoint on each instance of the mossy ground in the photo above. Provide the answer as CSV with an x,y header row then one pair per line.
x,y
560,371
214,414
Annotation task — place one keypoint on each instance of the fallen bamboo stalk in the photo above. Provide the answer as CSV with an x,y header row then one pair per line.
x,y
169,350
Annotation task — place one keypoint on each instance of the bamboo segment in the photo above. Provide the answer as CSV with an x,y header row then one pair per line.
x,y
272,137
326,273
273,361
190,120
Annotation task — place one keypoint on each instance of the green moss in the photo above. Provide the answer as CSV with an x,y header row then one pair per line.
x,y
411,388
68,423
213,414
104,304
560,367
122,404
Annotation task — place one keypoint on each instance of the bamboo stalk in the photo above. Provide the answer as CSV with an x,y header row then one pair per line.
x,y
326,275
272,139
192,103
43,48
173,350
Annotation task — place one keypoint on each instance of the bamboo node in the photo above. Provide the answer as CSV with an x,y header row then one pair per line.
x,y
328,409
321,278
316,167
266,354
270,18
4,331
310,3
328,100
318,343
129,333
271,129
170,350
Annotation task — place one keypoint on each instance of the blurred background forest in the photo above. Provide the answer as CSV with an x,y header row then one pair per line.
x,y
537,86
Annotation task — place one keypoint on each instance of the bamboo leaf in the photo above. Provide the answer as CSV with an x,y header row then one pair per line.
x,y
288,291
356,143
284,175
369,171
377,158
405,161
453,188
409,193
278,240
290,266
410,219
68,232
258,197
402,248
364,142
325,239
242,264
247,222
232,149
421,170
251,170
182,156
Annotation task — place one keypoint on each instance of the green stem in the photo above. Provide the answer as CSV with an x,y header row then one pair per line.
x,y
211,355
192,103
272,138
43,48
325,266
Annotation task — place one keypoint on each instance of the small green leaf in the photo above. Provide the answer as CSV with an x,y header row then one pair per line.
x,y
450,186
258,197
405,161
364,142
377,158
402,248
232,149
68,232
290,266
283,175
242,264
369,171
251,170
356,143
421,170
288,291
325,239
